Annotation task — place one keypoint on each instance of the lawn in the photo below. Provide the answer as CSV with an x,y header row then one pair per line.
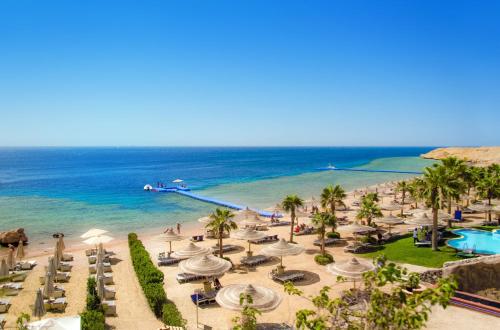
x,y
404,251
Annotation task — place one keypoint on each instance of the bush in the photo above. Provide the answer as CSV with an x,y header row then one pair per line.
x,y
151,281
333,234
92,320
368,239
93,301
323,259
172,316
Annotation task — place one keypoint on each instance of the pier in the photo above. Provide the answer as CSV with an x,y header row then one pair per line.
x,y
331,168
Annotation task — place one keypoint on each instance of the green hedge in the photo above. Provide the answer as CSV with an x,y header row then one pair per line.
x,y
93,317
333,234
323,259
151,281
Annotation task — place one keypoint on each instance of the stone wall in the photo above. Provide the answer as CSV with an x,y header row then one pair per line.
x,y
475,274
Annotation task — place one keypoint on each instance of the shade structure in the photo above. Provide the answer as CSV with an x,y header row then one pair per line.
x,y
244,214
281,249
480,207
252,222
57,254
247,234
420,219
356,228
62,246
208,265
418,210
99,239
20,251
4,269
190,251
60,323
100,287
39,307
94,232
264,299
352,269
390,220
170,236
391,207
52,266
11,260
48,286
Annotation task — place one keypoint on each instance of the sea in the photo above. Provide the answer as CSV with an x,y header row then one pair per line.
x,y
71,190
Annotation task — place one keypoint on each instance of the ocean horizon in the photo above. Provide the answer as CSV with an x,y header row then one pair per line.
x,y
71,189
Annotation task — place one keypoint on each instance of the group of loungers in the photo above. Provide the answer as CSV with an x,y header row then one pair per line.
x,y
268,238
287,277
328,241
254,261
109,302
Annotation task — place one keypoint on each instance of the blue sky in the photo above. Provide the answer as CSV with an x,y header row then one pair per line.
x,y
249,73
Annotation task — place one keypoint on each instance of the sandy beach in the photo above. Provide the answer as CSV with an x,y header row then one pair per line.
x,y
134,313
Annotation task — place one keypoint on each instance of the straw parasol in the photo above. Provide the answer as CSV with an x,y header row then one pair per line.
x,y
100,287
4,270
248,234
208,265
57,254
94,232
391,207
48,287
99,239
62,246
263,299
481,207
39,307
245,214
11,260
20,251
352,269
252,222
170,236
190,251
281,249
52,267
357,229
390,221
419,219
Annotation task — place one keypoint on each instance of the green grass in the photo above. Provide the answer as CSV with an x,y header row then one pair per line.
x,y
404,251
488,228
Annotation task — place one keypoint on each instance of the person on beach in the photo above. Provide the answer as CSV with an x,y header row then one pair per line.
x,y
415,235
178,228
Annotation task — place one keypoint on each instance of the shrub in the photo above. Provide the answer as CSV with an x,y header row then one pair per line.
x,y
368,239
93,301
323,259
172,316
92,320
151,280
333,234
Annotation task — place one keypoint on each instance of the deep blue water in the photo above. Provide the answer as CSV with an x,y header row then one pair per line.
x,y
47,183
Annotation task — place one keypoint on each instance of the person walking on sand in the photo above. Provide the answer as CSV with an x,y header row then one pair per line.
x,y
178,228
415,235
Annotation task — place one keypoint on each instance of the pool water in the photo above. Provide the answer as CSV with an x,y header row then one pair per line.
x,y
483,242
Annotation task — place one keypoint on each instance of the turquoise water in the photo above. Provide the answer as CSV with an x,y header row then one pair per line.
x,y
72,189
484,242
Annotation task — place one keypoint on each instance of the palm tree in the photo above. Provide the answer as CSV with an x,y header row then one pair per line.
x,y
489,185
471,177
331,197
290,204
455,169
415,188
402,186
221,222
320,221
368,210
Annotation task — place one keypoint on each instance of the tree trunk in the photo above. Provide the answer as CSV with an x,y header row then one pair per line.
x,y
402,202
221,233
333,213
489,212
292,223
323,229
468,197
449,204
434,228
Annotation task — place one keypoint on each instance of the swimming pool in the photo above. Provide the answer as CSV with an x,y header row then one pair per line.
x,y
481,241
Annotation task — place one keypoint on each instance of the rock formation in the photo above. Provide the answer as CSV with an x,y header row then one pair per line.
x,y
13,236
475,275
478,156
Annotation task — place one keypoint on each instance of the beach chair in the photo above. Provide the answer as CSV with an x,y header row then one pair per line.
x,y
109,307
167,261
423,243
107,278
186,277
197,238
328,241
56,305
254,260
93,259
106,266
67,257
59,292
26,265
278,223
2,321
109,293
18,276
225,248
65,267
4,305
288,277
11,289
60,277
202,299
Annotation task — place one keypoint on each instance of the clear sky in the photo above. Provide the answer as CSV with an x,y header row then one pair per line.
x,y
249,72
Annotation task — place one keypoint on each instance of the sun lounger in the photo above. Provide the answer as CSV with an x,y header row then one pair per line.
x,y
93,252
67,257
279,223
56,305
186,277
60,277
109,307
4,305
59,292
106,266
468,210
65,267
11,289
288,277
93,259
254,260
203,298
328,241
269,238
18,276
423,243
109,293
225,248
306,231
107,278
197,238
166,261
2,321
360,248
26,265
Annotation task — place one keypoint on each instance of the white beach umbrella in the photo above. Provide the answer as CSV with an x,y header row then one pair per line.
x,y
170,236
263,299
282,249
4,269
39,307
248,234
57,254
100,239
59,323
11,260
94,232
48,286
208,265
352,269
20,251
190,251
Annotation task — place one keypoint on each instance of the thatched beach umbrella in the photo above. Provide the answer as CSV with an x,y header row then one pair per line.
x,y
39,307
482,207
419,219
11,260
248,234
4,269
263,299
351,270
62,246
391,207
52,267
94,232
170,236
20,251
57,254
190,251
390,221
245,214
357,229
207,265
252,222
282,249
48,286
